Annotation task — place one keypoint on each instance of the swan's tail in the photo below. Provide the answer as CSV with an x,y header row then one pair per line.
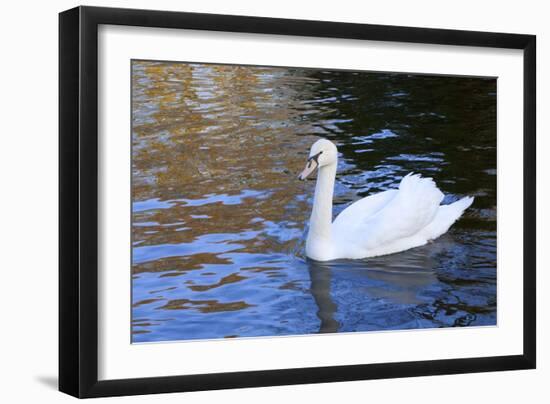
x,y
446,215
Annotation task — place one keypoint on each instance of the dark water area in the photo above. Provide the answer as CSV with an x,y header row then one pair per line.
x,y
219,217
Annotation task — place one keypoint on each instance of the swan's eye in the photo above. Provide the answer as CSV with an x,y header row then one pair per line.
x,y
314,158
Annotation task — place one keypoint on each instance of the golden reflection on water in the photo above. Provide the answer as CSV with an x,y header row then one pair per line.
x,y
217,145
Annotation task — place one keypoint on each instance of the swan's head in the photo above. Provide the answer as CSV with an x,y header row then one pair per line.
x,y
322,153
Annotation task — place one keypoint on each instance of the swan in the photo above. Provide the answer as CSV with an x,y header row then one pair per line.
x,y
384,223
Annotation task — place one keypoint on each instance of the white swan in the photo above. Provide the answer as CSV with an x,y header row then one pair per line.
x,y
384,223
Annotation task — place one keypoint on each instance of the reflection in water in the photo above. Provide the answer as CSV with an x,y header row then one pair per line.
x,y
219,217
320,275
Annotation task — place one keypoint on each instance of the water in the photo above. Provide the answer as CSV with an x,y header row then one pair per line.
x,y
219,216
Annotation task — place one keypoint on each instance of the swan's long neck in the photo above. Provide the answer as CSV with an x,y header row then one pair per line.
x,y
321,215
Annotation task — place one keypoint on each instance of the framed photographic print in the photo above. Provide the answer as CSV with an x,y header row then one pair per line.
x,y
251,201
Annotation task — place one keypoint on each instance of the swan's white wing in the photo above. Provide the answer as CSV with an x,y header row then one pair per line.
x,y
446,215
397,223
412,209
395,220
364,208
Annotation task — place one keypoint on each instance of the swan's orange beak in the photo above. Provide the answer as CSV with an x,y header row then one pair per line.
x,y
311,165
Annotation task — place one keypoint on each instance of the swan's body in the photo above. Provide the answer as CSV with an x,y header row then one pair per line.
x,y
380,224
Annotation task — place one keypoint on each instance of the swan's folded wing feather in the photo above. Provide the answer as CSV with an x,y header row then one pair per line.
x,y
364,208
413,208
445,217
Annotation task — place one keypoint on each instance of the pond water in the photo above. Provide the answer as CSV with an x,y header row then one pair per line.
x,y
220,218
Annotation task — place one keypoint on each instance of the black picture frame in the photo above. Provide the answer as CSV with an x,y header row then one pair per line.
x,y
78,196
